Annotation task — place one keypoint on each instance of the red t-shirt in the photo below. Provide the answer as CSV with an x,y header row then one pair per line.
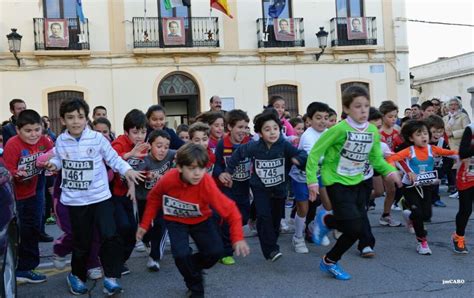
x,y
392,140
20,156
191,204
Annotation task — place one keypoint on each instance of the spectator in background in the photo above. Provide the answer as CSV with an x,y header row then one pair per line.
x,y
16,107
215,103
427,109
47,128
437,106
415,111
455,121
99,112
407,113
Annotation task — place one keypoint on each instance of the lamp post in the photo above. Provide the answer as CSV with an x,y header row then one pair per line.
x,y
322,41
14,44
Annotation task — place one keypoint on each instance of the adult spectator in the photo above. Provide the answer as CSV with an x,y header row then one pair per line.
x,y
16,107
216,104
416,111
455,122
437,106
427,109
47,128
407,113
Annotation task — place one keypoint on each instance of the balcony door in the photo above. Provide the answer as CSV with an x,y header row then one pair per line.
x,y
267,23
59,9
347,9
176,12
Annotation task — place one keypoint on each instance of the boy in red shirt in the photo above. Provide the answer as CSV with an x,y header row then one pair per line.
x,y
187,195
20,154
131,146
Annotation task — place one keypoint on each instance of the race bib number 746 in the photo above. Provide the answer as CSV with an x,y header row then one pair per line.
x,y
77,175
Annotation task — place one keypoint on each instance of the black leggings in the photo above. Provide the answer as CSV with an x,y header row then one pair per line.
x,y
420,207
466,197
351,231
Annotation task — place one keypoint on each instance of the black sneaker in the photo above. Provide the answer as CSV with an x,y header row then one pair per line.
x,y
194,294
125,270
43,237
275,255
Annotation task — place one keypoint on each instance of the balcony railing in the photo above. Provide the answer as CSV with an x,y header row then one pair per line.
x,y
198,32
270,33
78,34
340,36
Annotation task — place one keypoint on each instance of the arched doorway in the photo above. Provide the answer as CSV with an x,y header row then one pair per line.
x,y
178,93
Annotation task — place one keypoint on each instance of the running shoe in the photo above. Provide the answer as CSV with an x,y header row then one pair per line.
x,y
309,235
439,203
59,262
153,265
30,276
459,244
50,220
389,221
275,255
284,227
395,207
408,222
367,252
94,273
299,245
335,270
125,270
229,260
140,247
422,248
454,195
320,229
111,286
76,286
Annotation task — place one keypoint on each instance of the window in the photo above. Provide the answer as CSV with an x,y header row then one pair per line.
x,y
59,9
286,13
289,93
54,101
349,8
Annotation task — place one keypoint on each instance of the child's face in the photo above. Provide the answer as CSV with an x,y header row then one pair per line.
x,y
136,135
299,129
30,133
307,122
184,135
100,113
217,128
390,118
159,148
420,138
270,132
103,129
428,112
157,120
358,110
332,121
377,123
436,133
192,174
238,131
75,122
279,106
200,138
319,121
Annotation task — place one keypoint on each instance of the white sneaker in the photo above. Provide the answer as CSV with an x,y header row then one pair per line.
x,y
153,265
284,226
336,234
59,262
94,273
409,224
422,248
367,252
325,241
300,245
140,247
396,208
389,221
454,195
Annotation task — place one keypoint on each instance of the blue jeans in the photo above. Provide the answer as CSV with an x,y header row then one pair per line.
x,y
28,250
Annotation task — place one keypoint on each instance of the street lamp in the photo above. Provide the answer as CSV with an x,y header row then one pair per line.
x,y
14,43
322,41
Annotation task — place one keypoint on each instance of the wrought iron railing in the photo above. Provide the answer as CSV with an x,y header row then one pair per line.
x,y
270,33
198,32
78,35
340,35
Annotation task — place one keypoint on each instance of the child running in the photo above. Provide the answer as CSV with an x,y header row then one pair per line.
x,y
215,120
187,196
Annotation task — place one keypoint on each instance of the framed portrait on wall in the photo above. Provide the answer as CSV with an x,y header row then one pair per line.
x,y
173,31
356,28
56,33
284,29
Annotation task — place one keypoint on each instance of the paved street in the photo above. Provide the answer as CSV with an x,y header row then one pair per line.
x,y
397,270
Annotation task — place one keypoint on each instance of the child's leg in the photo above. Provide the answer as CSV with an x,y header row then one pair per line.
x,y
63,245
82,226
268,221
466,198
301,195
126,224
28,250
156,235
389,197
426,205
93,260
413,199
366,237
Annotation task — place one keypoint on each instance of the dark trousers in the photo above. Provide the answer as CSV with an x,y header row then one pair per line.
x,y
126,222
83,221
269,211
28,251
156,235
210,250
435,197
420,207
40,201
466,198
48,202
366,236
253,211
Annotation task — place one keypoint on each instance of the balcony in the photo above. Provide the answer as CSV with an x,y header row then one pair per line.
x,y
341,37
197,32
74,39
269,37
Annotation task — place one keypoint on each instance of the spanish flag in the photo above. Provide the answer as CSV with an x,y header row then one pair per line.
x,y
222,6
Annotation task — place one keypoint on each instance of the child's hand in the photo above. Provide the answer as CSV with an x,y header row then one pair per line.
x,y
50,166
226,179
21,173
313,191
140,150
134,176
241,248
131,190
140,233
295,161
412,177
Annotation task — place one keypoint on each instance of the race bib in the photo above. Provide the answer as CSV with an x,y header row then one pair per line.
x,y
28,164
242,171
355,153
77,175
271,172
178,208
426,178
155,175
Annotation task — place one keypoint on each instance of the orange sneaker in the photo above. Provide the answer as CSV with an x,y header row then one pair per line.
x,y
459,244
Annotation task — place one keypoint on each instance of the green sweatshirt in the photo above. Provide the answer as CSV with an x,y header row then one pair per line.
x,y
345,150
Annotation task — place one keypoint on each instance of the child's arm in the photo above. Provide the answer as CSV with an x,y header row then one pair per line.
x,y
399,156
319,148
443,152
117,163
219,165
153,204
465,148
297,156
244,151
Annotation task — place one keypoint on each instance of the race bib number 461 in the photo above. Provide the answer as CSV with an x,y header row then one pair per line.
x,y
178,208
355,153
271,172
77,175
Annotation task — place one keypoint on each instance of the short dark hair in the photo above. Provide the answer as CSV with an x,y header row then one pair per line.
x,y
275,98
387,106
352,92
295,121
426,104
28,117
434,121
73,104
102,120
154,108
209,117
332,112
134,119
407,109
234,116
411,127
158,133
374,114
415,105
267,115
315,107
14,101
199,126
403,120
171,22
182,127
191,153
211,100
54,24
98,108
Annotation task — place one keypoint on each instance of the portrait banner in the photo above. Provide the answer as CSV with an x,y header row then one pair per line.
x,y
173,31
56,33
356,28
284,29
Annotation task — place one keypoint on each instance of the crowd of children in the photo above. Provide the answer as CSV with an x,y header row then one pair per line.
x,y
209,179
